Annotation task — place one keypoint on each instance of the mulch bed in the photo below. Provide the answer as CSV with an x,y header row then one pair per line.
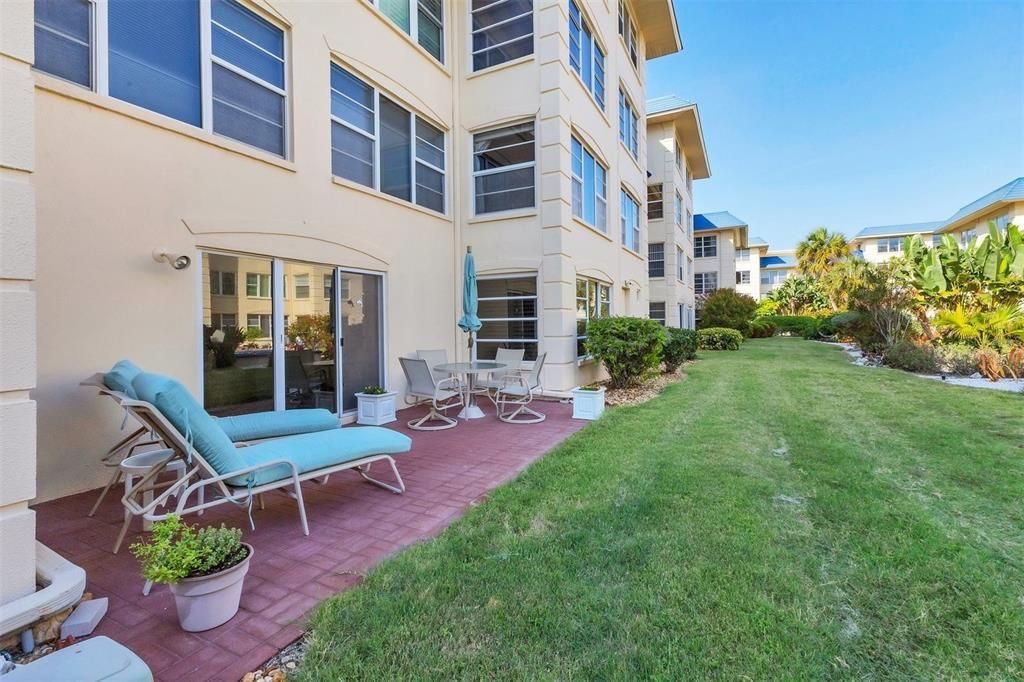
x,y
637,395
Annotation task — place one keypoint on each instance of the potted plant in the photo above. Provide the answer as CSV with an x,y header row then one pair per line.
x,y
376,406
588,401
204,570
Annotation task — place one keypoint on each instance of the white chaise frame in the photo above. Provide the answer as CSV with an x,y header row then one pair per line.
x,y
223,492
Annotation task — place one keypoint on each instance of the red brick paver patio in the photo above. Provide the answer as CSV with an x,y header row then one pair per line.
x,y
353,525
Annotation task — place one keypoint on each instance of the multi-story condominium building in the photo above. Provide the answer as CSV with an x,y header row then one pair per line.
x,y
748,267
676,156
776,267
314,172
716,239
879,244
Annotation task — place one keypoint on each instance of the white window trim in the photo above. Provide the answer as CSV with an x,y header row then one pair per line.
x,y
701,241
100,65
637,229
473,32
414,26
375,139
611,310
503,169
632,131
596,44
535,318
651,260
664,312
599,200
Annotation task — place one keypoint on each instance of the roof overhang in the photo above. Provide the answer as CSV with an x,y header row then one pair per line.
x,y
686,120
656,20
965,220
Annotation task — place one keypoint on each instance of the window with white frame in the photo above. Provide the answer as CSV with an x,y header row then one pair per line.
x,y
678,154
593,301
259,323
890,245
689,266
689,223
257,285
629,213
679,209
328,287
743,277
589,187
680,265
655,201
508,311
380,144
656,311
627,29
773,277
423,20
706,246
585,54
302,286
968,236
222,283
628,122
743,255
705,282
150,54
224,321
655,259
504,163
502,30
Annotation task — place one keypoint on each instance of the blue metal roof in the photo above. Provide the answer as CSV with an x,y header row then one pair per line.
x,y
778,261
898,230
660,105
1011,191
719,220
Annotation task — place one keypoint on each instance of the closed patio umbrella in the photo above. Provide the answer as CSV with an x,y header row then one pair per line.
x,y
469,322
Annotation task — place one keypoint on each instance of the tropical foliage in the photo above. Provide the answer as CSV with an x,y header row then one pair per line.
x,y
727,308
798,295
820,250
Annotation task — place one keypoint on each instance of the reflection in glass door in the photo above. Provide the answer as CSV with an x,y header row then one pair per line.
x,y
361,301
310,370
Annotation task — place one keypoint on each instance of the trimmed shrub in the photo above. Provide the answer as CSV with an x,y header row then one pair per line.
x,y
680,346
726,308
911,357
719,338
762,329
629,347
957,358
826,327
795,325
857,327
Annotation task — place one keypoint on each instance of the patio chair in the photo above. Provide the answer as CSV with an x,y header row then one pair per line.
x,y
435,358
512,358
513,398
422,387
231,474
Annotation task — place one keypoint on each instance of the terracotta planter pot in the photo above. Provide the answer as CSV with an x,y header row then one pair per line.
x,y
210,600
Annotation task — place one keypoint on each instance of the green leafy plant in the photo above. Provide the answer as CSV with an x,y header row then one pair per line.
x,y
762,328
799,295
312,332
996,328
727,308
794,325
957,358
223,343
719,338
176,551
766,308
374,389
885,300
591,387
912,357
820,250
629,347
680,346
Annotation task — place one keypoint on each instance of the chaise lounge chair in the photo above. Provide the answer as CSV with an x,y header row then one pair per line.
x,y
228,473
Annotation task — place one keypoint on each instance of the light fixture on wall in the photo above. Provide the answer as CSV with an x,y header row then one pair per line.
x,y
176,261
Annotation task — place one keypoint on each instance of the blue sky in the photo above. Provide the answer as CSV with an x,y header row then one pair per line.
x,y
849,114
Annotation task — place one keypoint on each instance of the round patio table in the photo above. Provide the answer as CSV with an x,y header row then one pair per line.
x,y
471,370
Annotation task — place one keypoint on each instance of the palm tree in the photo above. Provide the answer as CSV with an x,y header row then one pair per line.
x,y
820,250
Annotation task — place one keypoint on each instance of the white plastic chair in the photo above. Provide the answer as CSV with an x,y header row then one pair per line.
x,y
512,358
442,395
513,398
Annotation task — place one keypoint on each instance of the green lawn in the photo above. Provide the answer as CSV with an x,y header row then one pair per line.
x,y
779,514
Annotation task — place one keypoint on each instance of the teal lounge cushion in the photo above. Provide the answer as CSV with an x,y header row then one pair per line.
x,y
147,384
120,377
276,424
313,451
191,420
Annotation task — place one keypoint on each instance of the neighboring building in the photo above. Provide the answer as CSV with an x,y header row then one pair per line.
x,y
776,268
879,244
676,156
1003,206
716,238
748,267
324,163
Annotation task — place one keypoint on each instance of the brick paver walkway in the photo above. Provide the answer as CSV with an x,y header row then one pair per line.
x,y
353,525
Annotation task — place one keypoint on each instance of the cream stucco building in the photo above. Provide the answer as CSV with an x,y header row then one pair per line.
x,y
881,243
777,265
306,176
676,157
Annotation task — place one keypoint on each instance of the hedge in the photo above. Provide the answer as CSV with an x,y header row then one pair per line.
x,y
680,346
629,347
719,338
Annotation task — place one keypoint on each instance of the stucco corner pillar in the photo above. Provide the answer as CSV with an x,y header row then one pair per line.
x,y
17,302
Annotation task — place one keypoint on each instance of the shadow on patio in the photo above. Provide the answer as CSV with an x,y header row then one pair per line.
x,y
353,526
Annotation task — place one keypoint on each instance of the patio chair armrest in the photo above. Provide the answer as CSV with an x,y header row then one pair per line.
x,y
456,385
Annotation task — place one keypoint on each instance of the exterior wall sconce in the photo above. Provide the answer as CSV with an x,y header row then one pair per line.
x,y
176,261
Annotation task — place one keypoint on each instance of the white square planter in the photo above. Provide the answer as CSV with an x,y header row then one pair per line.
x,y
587,404
376,410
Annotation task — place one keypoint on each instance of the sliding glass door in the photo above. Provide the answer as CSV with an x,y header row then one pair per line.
x,y
271,336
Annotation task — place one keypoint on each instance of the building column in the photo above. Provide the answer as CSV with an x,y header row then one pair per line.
x,y
17,301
